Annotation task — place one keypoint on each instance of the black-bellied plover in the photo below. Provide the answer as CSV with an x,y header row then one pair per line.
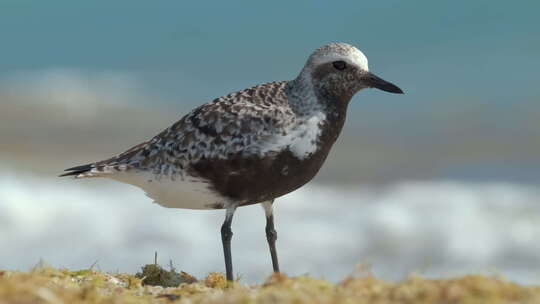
x,y
248,147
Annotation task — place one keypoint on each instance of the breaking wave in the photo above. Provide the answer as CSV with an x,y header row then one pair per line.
x,y
434,228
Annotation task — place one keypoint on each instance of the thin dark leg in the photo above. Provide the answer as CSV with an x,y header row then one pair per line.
x,y
271,234
226,236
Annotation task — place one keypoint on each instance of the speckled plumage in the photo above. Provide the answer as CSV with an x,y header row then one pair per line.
x,y
241,122
230,151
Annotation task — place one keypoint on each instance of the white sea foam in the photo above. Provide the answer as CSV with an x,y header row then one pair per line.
x,y
432,228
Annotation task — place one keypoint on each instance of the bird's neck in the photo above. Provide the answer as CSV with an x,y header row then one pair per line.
x,y
302,98
307,99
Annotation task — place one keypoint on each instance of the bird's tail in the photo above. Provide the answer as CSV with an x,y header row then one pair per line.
x,y
88,170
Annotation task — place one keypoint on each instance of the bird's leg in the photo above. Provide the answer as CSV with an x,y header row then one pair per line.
x,y
226,236
271,234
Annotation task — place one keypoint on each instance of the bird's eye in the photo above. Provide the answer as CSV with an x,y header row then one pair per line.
x,y
339,65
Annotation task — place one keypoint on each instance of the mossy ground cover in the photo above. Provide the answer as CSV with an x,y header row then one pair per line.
x,y
49,285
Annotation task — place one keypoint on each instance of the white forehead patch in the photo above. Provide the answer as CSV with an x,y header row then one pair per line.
x,y
339,51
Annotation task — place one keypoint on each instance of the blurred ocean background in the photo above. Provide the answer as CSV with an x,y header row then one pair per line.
x,y
441,181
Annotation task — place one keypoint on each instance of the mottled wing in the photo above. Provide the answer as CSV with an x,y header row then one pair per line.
x,y
248,122
243,122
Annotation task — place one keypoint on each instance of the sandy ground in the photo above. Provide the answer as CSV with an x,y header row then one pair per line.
x,y
48,285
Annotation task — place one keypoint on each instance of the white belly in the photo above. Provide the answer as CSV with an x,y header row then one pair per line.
x,y
186,193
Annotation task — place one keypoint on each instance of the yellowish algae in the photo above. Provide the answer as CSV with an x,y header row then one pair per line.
x,y
155,275
49,285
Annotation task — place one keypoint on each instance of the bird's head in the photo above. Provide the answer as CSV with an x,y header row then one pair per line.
x,y
339,70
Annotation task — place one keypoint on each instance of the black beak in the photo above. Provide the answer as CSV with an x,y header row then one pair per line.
x,y
375,82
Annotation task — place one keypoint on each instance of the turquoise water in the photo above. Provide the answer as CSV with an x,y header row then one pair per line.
x,y
437,51
469,70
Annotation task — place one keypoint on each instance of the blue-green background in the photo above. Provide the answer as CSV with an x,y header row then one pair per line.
x,y
469,68
437,50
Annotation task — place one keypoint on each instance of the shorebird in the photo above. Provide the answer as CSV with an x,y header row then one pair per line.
x,y
248,147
